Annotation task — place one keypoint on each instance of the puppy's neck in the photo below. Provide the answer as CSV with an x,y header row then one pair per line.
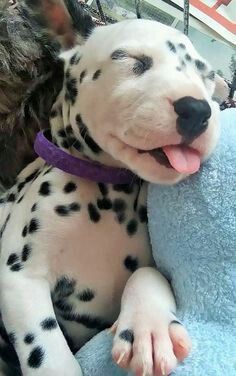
x,y
81,145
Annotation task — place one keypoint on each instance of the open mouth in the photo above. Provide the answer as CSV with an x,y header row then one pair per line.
x,y
181,158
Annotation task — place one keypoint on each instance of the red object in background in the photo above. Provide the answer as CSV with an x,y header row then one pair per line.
x,y
221,2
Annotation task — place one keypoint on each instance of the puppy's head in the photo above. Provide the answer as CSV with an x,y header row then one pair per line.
x,y
145,95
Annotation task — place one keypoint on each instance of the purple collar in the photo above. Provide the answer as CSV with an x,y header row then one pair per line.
x,y
99,173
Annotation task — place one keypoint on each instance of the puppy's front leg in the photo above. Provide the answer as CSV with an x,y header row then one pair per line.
x,y
148,339
29,318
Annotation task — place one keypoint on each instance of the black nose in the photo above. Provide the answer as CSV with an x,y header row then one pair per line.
x,y
193,116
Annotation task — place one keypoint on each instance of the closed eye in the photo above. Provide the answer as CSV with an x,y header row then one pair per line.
x,y
142,62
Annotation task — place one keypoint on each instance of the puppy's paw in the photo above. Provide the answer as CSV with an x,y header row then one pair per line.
x,y
149,344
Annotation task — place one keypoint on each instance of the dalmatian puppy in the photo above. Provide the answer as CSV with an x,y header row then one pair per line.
x,y
75,253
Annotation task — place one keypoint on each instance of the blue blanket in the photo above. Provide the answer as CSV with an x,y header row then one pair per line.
x,y
193,234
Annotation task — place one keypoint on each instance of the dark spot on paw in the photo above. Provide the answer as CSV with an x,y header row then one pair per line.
x,y
188,57
127,335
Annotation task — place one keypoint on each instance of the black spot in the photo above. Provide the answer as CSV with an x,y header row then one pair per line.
x,y
20,186
45,189
119,54
24,231
126,188
132,227
11,197
12,338
82,75
63,306
103,189
131,263
97,74
127,335
36,357
2,200
49,323
20,199
211,75
86,296
85,135
142,213
53,114
62,133
104,203
171,46
71,89
34,207
179,69
12,259
70,187
64,287
29,338
188,57
16,267
119,205
181,45
26,252
93,213
62,210
31,176
142,64
33,225
200,65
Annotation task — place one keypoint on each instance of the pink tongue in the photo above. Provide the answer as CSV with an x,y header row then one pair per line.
x,y
183,158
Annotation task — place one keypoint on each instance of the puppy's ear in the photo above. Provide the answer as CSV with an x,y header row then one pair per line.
x,y
64,19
